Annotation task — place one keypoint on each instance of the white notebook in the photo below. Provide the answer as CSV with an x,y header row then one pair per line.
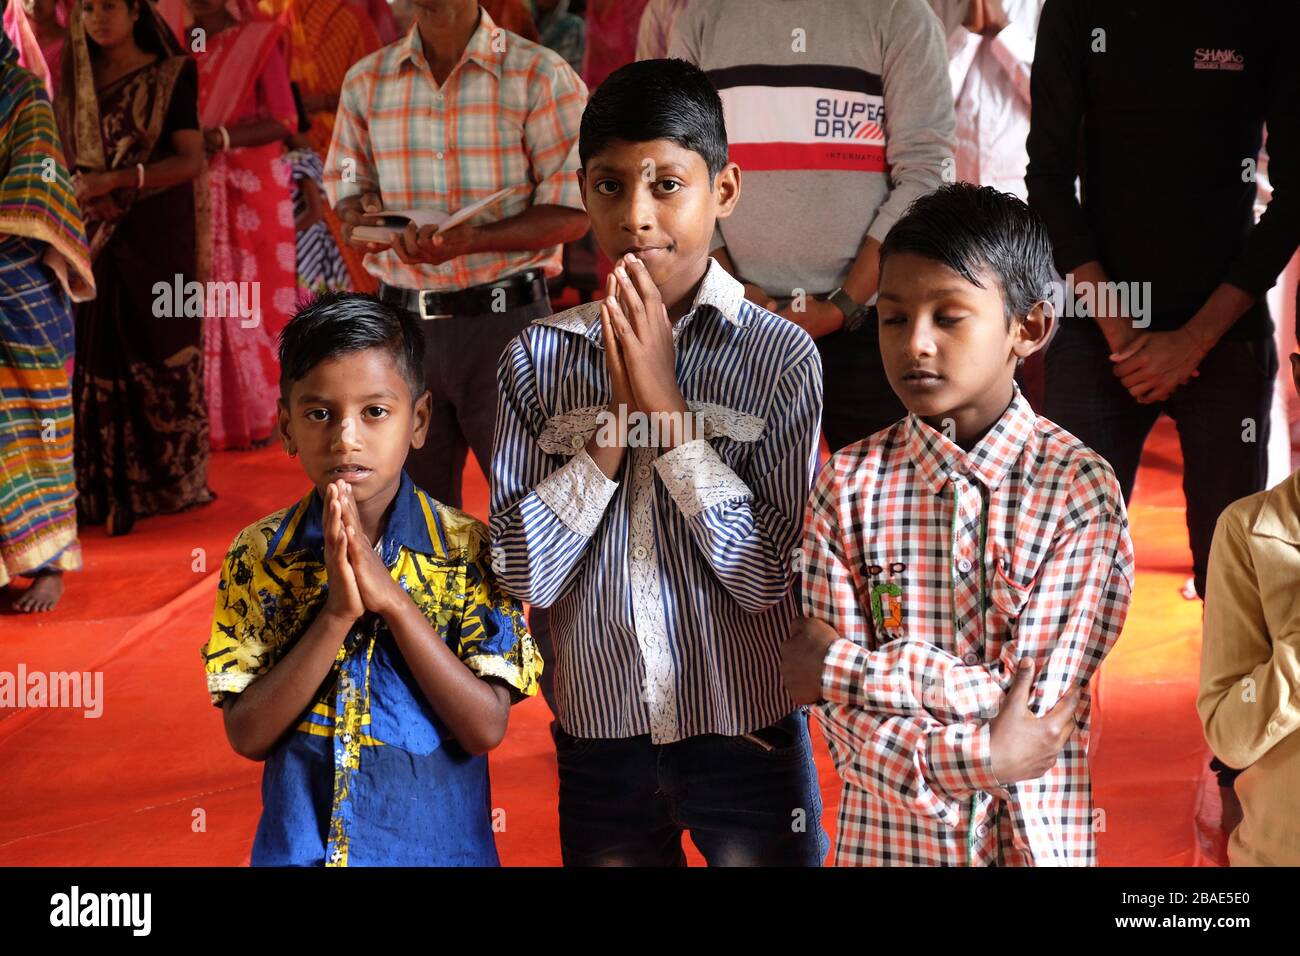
x,y
383,225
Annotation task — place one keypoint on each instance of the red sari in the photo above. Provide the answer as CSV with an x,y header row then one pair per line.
x,y
243,74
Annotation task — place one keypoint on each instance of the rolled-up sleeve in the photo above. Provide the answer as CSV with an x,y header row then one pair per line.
x,y
558,97
919,121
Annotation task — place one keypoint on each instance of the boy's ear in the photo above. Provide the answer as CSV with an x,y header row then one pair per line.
x,y
420,415
726,189
1034,331
582,186
282,427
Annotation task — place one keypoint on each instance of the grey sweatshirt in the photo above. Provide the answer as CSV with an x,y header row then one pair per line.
x,y
839,113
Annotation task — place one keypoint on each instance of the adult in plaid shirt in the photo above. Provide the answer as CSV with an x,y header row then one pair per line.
x,y
966,570
449,114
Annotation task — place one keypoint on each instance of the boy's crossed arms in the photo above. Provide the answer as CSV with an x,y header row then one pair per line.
x,y
475,711
918,725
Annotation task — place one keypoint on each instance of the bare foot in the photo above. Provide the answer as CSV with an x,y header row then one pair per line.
x,y
43,594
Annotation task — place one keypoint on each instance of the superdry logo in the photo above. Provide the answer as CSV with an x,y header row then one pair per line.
x,y
861,117
1205,58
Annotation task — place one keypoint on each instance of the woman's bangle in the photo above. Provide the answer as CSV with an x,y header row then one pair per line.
x,y
139,175
225,137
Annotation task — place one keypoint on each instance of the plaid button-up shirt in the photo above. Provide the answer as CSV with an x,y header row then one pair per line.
x,y
940,569
507,115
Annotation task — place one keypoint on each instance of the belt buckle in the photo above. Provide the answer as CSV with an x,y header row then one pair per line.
x,y
430,315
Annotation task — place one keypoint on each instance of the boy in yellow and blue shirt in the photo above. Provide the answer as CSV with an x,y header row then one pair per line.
x,y
360,645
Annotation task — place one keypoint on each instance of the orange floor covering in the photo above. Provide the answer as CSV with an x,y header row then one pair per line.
x,y
127,788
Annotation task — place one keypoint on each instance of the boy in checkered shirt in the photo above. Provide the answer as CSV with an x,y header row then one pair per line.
x,y
966,569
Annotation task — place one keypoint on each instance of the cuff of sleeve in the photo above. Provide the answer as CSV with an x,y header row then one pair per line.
x,y
1013,48
841,672
1246,276
561,187
492,665
881,225
578,493
226,683
961,757
961,40
697,478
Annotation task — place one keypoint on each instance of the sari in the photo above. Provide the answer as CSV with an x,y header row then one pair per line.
x,y
44,262
141,423
242,75
41,58
326,37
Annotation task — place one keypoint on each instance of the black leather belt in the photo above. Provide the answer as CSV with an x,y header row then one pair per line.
x,y
522,288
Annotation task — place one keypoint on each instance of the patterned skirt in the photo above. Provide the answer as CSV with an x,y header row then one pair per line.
x,y
38,516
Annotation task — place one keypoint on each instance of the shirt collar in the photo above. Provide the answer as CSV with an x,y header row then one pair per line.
x,y
1280,515
937,457
479,48
719,290
412,523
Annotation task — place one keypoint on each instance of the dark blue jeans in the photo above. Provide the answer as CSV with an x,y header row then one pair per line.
x,y
1235,385
747,801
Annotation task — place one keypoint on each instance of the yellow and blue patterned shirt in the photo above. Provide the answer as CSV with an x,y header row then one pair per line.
x,y
371,775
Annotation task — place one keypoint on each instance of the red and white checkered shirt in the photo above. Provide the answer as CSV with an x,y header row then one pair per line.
x,y
508,115
940,569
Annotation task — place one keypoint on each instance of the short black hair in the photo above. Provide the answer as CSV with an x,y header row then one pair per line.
x,y
656,99
974,230
339,322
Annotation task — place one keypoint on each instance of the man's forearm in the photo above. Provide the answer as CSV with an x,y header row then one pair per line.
x,y
864,274
1220,312
1118,329
537,227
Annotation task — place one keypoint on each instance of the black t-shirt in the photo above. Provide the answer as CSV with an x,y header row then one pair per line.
x,y
1160,110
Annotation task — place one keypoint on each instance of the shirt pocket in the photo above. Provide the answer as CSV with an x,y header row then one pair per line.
x,y
1010,589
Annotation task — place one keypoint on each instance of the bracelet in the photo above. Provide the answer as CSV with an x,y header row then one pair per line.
x,y
225,137
139,175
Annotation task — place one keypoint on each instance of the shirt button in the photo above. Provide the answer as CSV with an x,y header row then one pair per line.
x,y
982,830
964,566
577,441
438,97
438,154
640,553
643,471
970,659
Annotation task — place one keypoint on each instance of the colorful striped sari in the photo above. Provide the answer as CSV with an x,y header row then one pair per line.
x,y
43,257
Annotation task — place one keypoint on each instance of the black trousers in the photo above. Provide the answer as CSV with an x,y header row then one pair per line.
x,y
1222,417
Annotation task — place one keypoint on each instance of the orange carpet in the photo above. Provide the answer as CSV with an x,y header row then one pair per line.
x,y
153,782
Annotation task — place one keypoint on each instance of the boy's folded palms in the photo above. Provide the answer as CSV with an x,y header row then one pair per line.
x,y
344,599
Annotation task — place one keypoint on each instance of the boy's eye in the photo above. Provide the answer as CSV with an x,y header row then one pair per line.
x,y
314,412
600,187
892,320
378,410
948,319
664,184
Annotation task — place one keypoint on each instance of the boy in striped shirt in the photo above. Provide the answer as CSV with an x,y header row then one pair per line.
x,y
652,458
966,570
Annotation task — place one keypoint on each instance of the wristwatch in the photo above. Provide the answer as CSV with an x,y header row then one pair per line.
x,y
854,313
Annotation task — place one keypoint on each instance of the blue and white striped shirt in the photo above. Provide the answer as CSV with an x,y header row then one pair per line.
x,y
671,596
